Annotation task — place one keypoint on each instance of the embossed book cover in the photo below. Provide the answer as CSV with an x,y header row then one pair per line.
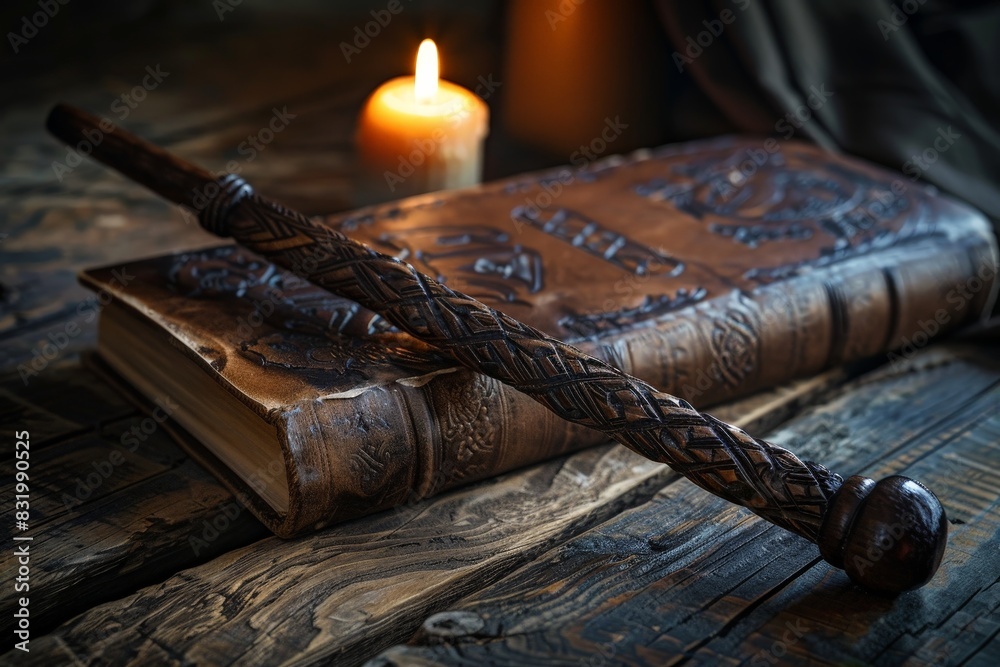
x,y
705,269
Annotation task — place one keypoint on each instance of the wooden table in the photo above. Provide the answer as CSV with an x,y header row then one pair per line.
x,y
599,558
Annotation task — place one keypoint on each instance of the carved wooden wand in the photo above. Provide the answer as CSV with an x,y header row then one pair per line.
x,y
888,536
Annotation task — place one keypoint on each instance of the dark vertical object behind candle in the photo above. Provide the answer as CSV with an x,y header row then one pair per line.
x,y
898,520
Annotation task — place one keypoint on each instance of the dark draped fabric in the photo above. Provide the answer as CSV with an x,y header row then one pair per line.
x,y
909,84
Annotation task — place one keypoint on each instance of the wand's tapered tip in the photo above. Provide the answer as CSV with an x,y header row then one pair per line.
x,y
888,536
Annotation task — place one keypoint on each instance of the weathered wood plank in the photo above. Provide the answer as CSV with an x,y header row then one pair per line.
x,y
662,586
134,537
351,590
947,622
44,426
989,655
67,400
345,586
86,468
78,394
113,500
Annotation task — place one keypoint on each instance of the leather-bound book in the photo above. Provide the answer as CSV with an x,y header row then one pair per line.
x,y
710,270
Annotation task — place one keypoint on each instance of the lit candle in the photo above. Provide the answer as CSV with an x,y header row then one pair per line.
x,y
420,134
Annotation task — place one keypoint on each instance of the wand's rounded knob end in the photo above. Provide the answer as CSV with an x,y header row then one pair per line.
x,y
888,536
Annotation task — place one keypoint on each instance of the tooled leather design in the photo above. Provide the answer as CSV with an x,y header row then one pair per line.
x,y
595,325
494,267
755,197
735,342
586,234
468,431
498,267
767,479
328,341
370,465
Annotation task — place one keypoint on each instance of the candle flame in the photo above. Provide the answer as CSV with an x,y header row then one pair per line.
x,y
426,80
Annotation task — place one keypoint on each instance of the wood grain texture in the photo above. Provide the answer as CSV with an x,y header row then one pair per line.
x,y
654,586
133,538
115,504
351,590
954,620
70,401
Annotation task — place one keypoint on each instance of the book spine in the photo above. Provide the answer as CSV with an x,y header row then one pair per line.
x,y
893,301
396,444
